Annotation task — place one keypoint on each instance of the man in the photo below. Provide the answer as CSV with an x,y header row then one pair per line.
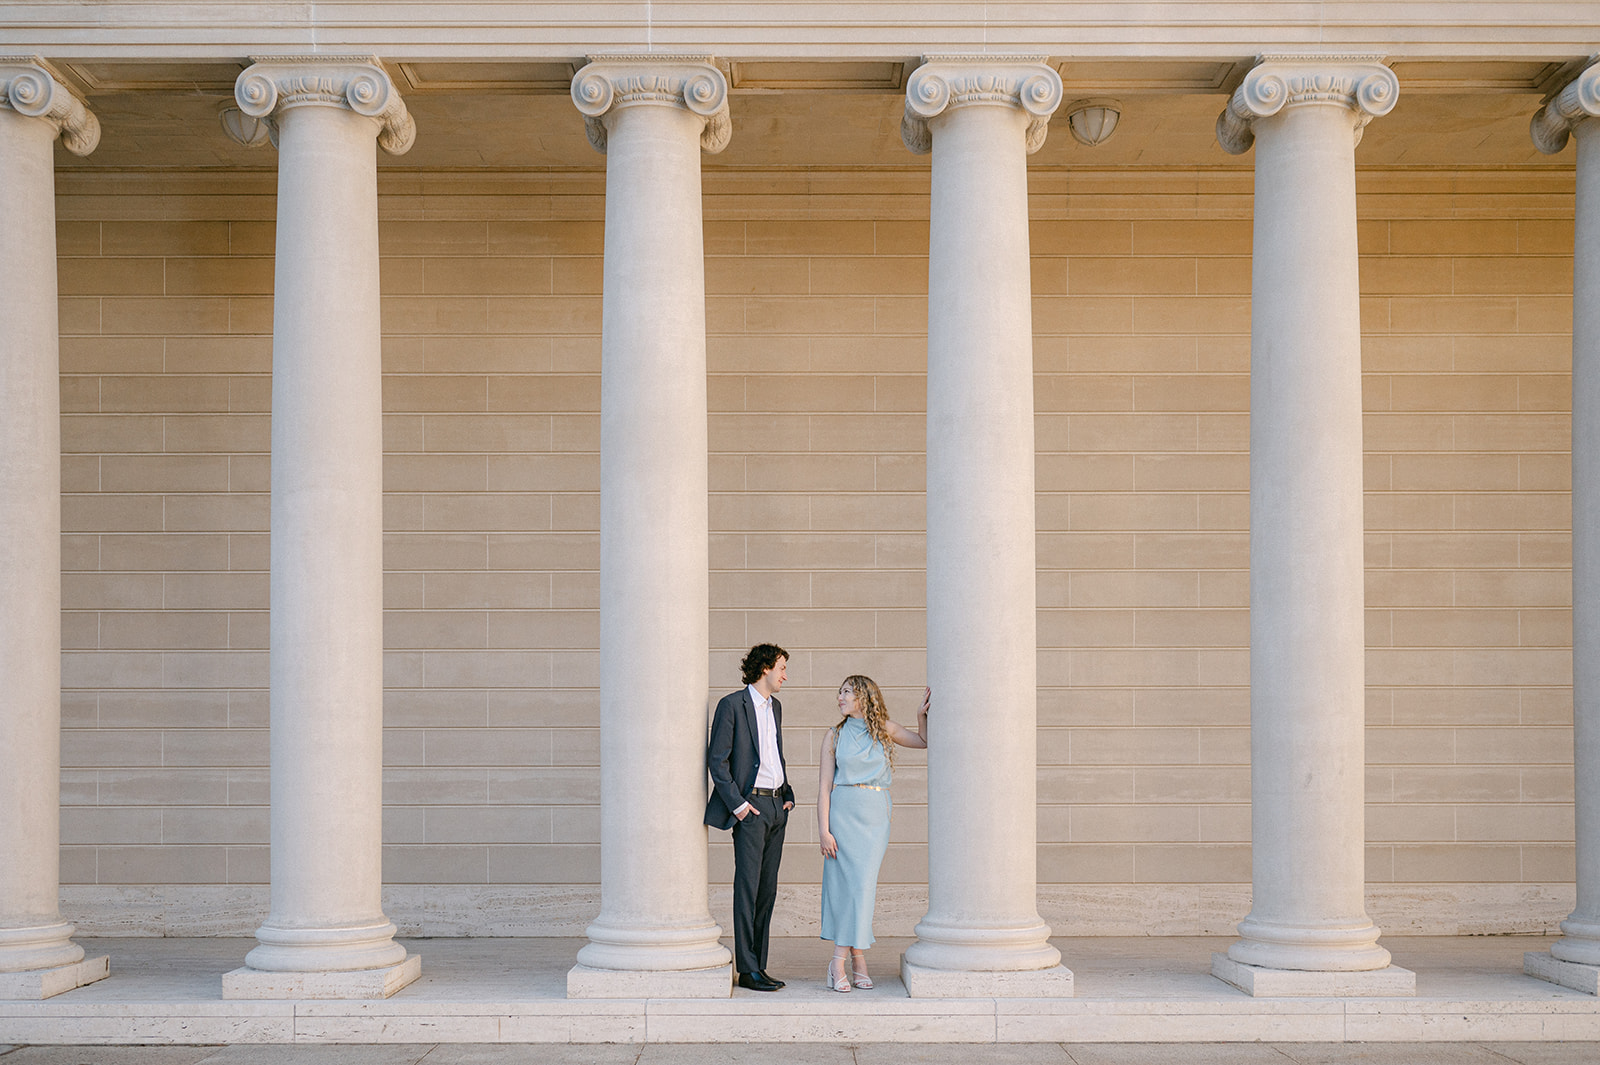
x,y
750,792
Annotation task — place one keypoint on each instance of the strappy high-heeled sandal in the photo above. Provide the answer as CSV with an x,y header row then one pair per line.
x,y
858,977
840,984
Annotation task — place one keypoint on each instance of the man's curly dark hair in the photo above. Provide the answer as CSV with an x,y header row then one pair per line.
x,y
762,657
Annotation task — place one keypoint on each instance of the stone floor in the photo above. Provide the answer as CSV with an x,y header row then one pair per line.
x,y
823,1054
1130,991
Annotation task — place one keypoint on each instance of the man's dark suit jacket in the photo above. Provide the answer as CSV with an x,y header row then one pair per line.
x,y
734,755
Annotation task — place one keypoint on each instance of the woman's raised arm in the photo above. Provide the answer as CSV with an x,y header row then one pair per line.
x,y
904,736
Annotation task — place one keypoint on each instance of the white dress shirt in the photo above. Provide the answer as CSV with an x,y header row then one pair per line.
x,y
769,774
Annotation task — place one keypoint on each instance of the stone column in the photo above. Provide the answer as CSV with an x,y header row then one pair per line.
x,y
326,935
1574,959
652,116
1308,931
982,935
37,955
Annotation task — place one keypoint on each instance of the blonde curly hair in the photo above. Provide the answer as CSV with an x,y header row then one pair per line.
x,y
874,713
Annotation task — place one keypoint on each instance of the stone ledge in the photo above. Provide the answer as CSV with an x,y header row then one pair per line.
x,y
248,983
1579,977
921,982
584,981
43,983
1254,980
444,911
1135,990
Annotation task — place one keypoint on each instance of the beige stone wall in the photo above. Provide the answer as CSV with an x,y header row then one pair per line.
x,y
816,312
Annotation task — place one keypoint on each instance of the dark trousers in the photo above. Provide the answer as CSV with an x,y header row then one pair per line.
x,y
757,850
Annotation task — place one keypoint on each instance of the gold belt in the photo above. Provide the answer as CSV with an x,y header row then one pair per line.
x,y
869,787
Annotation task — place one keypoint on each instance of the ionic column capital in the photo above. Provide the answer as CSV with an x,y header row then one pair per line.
x,y
1578,99
30,86
690,82
1359,82
274,84
945,82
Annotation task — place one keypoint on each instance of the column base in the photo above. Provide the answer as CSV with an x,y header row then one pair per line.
x,y
1577,976
248,983
31,984
584,981
922,982
1388,982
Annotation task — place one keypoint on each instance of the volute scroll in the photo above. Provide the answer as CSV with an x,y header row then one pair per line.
x,y
692,82
30,86
948,81
273,84
1361,83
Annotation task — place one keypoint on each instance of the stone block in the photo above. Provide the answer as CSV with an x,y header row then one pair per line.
x,y
248,983
43,983
1054,982
1259,982
1541,963
586,982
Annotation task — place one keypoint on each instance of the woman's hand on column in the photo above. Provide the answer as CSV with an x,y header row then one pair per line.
x,y
918,739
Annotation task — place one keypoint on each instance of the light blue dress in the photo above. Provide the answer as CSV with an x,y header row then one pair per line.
x,y
858,817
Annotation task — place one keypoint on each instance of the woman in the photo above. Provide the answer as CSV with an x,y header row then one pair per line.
x,y
853,819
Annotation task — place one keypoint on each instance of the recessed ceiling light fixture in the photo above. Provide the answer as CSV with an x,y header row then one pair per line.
x,y
1093,121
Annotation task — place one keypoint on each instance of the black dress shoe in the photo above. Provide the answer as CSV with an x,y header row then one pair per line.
x,y
757,982
769,978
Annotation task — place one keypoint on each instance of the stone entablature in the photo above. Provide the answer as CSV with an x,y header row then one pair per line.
x,y
479,29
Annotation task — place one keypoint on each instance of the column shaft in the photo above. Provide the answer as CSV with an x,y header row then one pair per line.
x,y
33,937
327,541
1307,645
654,933
654,547
1570,114
327,553
32,934
1580,941
982,643
983,916
1307,683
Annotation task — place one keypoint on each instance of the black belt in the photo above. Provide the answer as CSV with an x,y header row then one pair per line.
x,y
774,792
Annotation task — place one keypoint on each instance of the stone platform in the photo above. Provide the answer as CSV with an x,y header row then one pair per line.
x,y
514,990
